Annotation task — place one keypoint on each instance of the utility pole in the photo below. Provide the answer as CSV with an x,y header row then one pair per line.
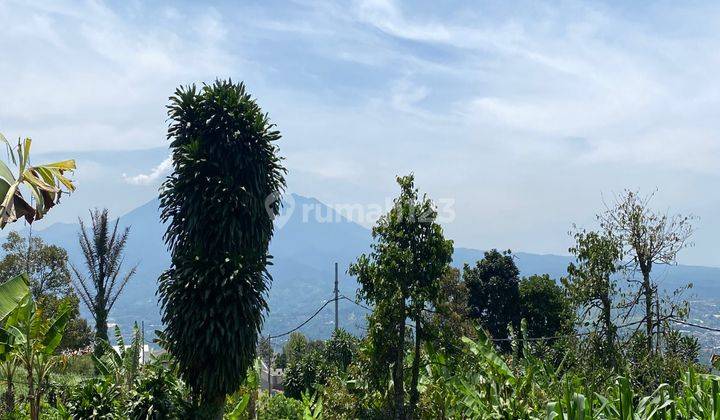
x,y
269,363
142,344
336,297
657,315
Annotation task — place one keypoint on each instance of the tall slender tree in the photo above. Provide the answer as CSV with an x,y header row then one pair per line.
x,y
102,246
219,204
592,288
402,277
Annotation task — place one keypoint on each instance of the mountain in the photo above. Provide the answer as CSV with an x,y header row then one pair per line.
x,y
309,238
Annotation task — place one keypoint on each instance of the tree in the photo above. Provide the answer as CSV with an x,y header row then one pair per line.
x,y
50,282
409,255
219,204
306,373
450,320
591,286
647,237
544,306
341,350
311,365
264,349
102,246
494,294
295,347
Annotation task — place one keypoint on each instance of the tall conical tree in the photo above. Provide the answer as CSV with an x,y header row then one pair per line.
x,y
102,246
219,204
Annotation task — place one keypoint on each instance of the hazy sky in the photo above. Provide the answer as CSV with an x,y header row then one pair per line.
x,y
525,114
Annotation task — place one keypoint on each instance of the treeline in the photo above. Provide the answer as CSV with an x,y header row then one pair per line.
x,y
606,319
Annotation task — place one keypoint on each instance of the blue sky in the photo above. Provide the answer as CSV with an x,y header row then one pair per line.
x,y
526,114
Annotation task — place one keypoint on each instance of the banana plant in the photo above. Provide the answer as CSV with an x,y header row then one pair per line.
x,y
245,406
312,406
45,183
34,341
12,293
122,365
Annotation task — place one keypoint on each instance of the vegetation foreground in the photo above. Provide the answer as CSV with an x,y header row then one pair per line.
x,y
481,342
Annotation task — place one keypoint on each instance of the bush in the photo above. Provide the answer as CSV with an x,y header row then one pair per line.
x,y
305,374
158,394
98,398
280,407
341,349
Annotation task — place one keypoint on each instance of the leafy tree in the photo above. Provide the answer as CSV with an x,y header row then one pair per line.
x,y
305,374
341,350
219,204
264,349
493,284
102,246
545,307
50,282
450,319
591,286
295,347
648,237
408,258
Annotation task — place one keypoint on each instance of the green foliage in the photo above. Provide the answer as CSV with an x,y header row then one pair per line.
x,y
157,394
295,347
29,341
341,350
122,365
312,406
219,204
50,282
280,407
544,305
306,374
96,399
699,398
493,285
450,321
400,278
79,365
592,289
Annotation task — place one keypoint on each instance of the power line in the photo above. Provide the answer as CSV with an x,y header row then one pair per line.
x,y
690,324
304,322
355,302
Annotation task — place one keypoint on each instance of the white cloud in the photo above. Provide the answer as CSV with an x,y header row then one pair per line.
x,y
151,177
525,112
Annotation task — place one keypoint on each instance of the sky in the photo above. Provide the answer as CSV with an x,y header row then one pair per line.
x,y
526,117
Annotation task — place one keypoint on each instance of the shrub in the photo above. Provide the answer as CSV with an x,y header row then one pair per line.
x,y
305,374
158,394
98,398
280,407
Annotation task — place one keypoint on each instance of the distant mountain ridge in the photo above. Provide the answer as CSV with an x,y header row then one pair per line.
x,y
304,249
